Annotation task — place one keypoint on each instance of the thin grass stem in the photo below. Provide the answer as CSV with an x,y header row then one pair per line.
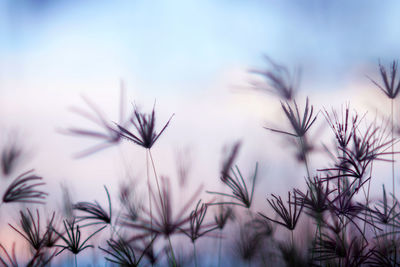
x,y
162,203
291,232
172,252
219,247
303,151
149,193
392,120
194,254
156,177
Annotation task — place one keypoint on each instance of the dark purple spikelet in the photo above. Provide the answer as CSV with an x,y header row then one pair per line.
x,y
94,212
122,253
391,84
145,134
196,228
279,80
383,212
342,126
9,260
229,160
350,251
72,238
300,123
10,156
23,189
30,229
316,200
225,213
240,196
108,132
163,220
289,215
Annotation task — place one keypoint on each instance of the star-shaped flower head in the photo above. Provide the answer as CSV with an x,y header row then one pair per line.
x,y
145,134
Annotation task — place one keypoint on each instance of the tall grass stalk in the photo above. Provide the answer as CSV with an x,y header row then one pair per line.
x,y
392,121
303,151
194,254
219,247
149,193
162,204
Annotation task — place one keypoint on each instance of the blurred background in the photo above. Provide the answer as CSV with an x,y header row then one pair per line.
x,y
193,58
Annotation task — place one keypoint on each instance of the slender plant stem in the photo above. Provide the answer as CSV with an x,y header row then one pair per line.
x,y
194,254
392,117
164,208
76,261
393,183
367,203
291,232
303,151
172,252
219,247
149,192
156,177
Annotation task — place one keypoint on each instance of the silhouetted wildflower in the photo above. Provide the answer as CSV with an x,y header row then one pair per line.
x,y
352,252
144,125
316,199
229,160
239,189
224,214
30,229
72,239
10,155
342,127
391,84
384,213
109,134
196,227
23,189
10,258
121,253
300,123
385,254
344,206
95,211
50,237
129,202
279,81
290,215
163,220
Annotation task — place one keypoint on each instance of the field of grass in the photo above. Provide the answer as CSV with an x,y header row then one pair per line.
x,y
332,220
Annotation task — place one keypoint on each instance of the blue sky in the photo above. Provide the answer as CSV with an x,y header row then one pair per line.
x,y
169,42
